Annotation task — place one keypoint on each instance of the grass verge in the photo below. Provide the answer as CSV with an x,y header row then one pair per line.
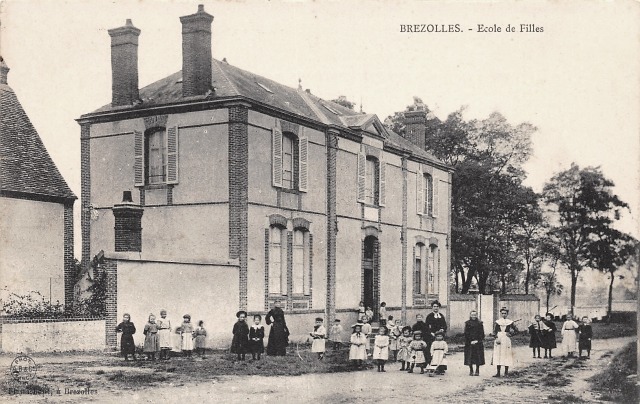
x,y
613,383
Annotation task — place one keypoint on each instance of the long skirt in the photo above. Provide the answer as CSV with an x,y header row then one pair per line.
x,y
357,352
584,344
127,345
438,360
164,337
256,347
151,343
187,342
474,354
278,340
502,352
200,341
549,340
403,354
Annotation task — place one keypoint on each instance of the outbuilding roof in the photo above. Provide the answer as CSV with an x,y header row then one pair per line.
x,y
26,169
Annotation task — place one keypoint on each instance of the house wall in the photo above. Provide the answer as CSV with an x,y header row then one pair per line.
x,y
206,292
32,259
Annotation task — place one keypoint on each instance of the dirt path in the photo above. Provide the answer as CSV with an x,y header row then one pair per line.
x,y
530,382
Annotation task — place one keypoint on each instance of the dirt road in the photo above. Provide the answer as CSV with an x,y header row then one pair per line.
x,y
370,386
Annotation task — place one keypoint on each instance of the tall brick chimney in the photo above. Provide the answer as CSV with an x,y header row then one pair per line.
x,y
124,64
416,126
196,53
128,224
4,71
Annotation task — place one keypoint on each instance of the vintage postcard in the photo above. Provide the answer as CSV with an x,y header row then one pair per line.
x,y
299,201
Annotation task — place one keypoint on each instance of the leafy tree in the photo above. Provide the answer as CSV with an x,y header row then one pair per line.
x,y
342,100
583,209
610,251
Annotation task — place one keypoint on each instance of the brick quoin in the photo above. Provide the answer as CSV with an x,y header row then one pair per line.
x,y
238,155
332,225
403,308
69,267
111,304
85,192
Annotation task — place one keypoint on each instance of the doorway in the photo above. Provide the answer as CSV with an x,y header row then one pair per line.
x,y
371,274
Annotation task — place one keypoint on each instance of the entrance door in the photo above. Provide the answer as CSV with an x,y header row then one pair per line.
x,y
370,270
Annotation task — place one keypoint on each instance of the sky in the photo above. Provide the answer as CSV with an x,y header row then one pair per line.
x,y
577,81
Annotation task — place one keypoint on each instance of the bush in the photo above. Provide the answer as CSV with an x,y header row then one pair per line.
x,y
32,305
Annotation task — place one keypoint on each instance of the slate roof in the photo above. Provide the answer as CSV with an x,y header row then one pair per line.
x,y
25,164
230,81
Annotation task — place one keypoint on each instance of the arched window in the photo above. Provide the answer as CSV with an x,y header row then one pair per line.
x,y
156,156
419,269
277,260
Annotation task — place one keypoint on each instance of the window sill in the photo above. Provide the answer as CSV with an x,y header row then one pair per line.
x,y
289,191
154,186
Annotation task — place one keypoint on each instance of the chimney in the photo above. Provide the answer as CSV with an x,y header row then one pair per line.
x,y
128,224
4,71
416,127
196,53
124,64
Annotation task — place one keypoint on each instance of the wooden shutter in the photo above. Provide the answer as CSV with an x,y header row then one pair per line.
x,y
419,192
276,152
303,157
362,162
383,183
436,196
138,162
172,155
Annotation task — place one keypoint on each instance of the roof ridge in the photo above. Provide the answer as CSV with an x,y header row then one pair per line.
x,y
313,106
231,83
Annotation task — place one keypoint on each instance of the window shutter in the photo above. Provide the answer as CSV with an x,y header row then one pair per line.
x,y
172,155
138,162
303,157
436,196
419,191
383,183
362,160
276,150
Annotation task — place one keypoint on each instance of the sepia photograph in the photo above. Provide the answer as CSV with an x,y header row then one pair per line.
x,y
319,201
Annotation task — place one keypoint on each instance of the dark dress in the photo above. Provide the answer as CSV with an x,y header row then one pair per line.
x,y
279,334
256,333
584,341
536,338
436,323
240,342
549,337
127,345
473,353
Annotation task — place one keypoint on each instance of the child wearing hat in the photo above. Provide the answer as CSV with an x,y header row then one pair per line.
x,y
357,351
240,342
336,334
186,332
151,343
319,333
417,347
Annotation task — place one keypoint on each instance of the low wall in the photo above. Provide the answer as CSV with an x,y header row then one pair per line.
x,y
460,307
522,309
48,335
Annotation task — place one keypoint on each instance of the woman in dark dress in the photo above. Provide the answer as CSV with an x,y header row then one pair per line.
x,y
240,342
279,334
127,346
549,335
473,343
584,338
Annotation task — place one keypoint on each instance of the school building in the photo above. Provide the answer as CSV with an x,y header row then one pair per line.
x,y
240,192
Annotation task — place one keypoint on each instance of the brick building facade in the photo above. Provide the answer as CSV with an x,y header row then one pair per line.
x,y
251,192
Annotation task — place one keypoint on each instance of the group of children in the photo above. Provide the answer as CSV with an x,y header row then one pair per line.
x,y
157,337
574,335
248,339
